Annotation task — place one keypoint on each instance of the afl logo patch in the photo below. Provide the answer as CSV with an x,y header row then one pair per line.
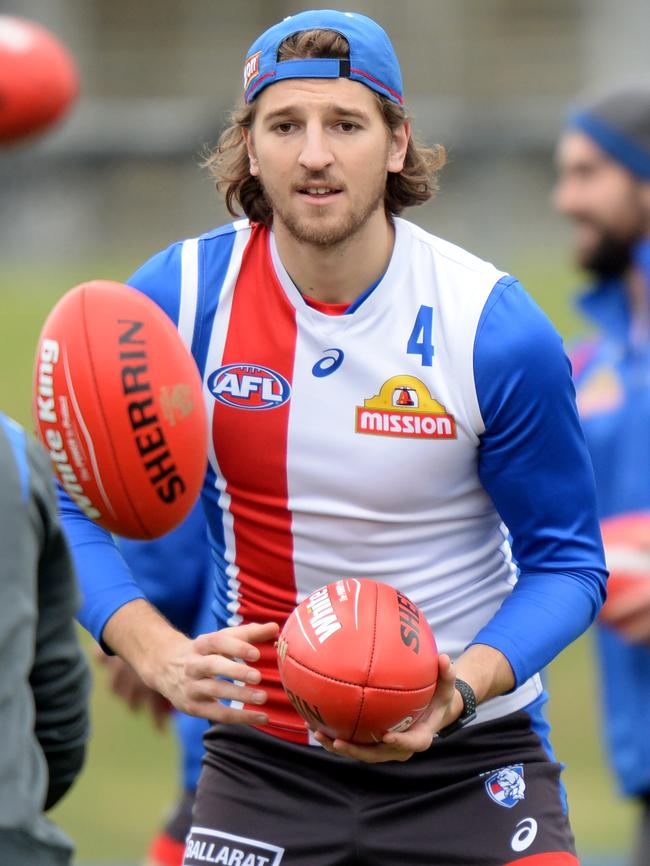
x,y
249,386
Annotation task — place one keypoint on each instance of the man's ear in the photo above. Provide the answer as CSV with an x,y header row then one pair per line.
x,y
398,145
252,159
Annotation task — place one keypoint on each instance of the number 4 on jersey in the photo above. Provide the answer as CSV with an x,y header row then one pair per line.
x,y
421,339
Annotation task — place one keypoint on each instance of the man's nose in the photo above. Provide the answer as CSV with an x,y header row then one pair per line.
x,y
563,197
316,153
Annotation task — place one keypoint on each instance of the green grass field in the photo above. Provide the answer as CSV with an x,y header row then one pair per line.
x,y
129,779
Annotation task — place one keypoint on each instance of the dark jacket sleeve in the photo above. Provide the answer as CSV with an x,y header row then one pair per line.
x,y
60,676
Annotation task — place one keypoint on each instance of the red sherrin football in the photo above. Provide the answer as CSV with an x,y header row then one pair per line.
x,y
38,79
118,405
357,658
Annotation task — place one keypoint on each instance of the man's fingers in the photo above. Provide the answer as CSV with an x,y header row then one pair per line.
x,y
217,712
212,668
200,666
238,641
240,717
446,672
446,681
368,754
214,690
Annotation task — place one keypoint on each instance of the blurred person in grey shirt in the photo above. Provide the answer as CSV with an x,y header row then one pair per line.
x,y
44,677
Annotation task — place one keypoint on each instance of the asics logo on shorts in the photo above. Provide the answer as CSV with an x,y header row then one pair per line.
x,y
525,835
205,846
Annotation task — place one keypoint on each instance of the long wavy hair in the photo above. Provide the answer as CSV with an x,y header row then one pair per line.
x,y
229,166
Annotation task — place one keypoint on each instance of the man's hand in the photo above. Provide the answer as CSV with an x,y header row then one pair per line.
x,y
190,672
191,677
484,668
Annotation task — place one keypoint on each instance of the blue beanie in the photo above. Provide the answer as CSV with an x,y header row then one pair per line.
x,y
619,124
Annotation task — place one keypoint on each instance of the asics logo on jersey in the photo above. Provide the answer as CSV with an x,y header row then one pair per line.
x,y
248,386
329,363
404,407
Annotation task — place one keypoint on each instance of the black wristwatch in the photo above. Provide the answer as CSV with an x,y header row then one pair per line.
x,y
469,709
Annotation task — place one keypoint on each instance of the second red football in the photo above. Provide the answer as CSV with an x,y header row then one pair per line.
x,y
357,659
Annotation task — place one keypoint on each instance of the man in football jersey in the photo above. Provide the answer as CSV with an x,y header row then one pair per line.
x,y
309,320
604,188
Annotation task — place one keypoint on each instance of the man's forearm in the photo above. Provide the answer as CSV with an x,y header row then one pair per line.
x,y
486,670
142,636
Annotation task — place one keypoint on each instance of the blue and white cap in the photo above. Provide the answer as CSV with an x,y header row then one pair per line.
x,y
372,59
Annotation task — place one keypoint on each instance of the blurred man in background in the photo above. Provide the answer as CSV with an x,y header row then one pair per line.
x,y
45,679
156,566
604,188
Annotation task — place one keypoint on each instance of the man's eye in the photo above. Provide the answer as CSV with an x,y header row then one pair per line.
x,y
347,126
284,128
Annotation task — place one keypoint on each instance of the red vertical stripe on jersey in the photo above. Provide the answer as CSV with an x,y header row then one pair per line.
x,y
251,449
551,858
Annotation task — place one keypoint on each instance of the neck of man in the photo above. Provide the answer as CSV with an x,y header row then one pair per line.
x,y
340,273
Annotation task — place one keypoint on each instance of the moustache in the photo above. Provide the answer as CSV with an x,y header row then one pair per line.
x,y
319,178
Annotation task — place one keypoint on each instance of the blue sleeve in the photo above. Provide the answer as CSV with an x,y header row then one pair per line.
x,y
534,464
160,279
105,579
173,570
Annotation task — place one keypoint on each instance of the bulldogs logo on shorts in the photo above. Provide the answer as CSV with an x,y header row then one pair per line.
x,y
506,787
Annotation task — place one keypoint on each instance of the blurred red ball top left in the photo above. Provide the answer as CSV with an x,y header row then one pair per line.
x,y
39,81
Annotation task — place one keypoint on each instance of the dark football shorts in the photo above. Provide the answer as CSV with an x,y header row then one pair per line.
x,y
179,821
486,796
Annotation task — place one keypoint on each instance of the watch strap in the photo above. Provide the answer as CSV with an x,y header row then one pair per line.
x,y
469,709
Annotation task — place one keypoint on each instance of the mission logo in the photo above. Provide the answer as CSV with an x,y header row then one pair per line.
x,y
248,386
404,407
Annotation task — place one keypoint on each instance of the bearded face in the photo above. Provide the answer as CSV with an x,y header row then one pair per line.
x,y
321,151
604,202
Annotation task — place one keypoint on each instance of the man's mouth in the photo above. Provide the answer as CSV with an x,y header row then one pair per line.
x,y
318,191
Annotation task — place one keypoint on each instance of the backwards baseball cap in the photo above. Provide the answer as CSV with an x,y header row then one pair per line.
x,y
619,124
372,59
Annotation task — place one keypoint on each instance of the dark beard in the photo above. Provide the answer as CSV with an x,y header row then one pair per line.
x,y
611,257
322,238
